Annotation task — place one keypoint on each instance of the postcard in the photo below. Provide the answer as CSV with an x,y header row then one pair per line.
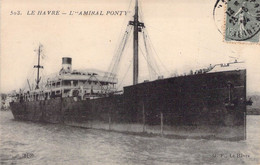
x,y
130,82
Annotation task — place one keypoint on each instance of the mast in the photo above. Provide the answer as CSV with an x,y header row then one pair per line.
x,y
137,28
38,68
135,65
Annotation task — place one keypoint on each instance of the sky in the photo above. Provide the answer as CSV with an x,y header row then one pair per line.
x,y
183,33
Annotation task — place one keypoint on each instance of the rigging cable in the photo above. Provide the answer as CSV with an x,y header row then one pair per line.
x,y
150,58
127,46
131,39
148,63
117,47
125,75
117,57
152,47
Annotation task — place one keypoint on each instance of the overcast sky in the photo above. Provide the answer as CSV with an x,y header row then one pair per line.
x,y
183,33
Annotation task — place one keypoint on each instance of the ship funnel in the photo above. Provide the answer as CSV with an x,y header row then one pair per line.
x,y
66,64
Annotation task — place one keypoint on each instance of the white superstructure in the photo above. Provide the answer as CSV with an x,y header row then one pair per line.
x,y
83,84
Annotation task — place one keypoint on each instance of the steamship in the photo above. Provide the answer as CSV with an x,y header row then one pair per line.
x,y
209,103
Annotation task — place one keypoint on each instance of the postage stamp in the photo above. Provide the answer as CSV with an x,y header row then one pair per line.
x,y
242,20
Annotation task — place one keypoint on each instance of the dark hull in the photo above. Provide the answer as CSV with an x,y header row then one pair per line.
x,y
202,105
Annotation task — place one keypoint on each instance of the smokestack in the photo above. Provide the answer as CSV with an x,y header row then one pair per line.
x,y
66,64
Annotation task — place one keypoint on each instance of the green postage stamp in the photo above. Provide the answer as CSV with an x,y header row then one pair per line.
x,y
242,20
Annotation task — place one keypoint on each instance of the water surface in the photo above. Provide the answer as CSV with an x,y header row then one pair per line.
x,y
37,143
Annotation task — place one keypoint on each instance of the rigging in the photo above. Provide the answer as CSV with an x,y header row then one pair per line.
x,y
38,68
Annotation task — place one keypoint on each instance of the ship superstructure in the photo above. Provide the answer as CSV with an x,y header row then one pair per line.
x,y
83,84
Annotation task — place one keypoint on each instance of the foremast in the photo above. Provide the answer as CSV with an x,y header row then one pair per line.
x,y
137,28
38,68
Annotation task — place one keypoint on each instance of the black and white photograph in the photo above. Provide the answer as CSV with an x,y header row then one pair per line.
x,y
126,82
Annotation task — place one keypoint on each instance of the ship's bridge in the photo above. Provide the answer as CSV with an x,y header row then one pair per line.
x,y
228,67
85,82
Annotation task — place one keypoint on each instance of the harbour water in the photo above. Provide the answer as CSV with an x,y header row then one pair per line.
x,y
38,143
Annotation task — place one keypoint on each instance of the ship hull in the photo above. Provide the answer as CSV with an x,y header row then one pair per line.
x,y
208,105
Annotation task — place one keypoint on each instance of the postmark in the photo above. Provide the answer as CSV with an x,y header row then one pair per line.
x,y
241,20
